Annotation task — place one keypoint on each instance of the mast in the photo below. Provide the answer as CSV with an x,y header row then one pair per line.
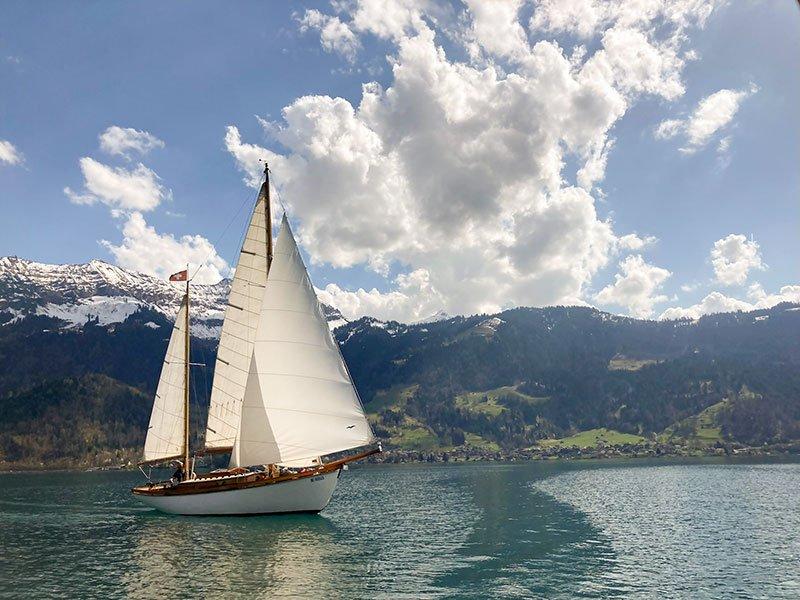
x,y
268,212
299,401
186,468
242,311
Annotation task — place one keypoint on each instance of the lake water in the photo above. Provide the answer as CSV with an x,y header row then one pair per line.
x,y
632,529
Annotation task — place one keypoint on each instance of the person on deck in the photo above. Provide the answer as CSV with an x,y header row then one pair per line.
x,y
177,476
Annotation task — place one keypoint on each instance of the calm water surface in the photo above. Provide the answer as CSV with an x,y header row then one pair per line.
x,y
632,529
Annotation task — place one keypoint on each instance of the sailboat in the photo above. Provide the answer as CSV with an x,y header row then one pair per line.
x,y
283,403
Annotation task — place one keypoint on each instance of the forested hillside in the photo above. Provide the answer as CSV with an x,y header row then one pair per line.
x,y
517,379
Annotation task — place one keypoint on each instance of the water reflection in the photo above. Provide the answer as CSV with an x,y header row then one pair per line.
x,y
526,544
459,531
260,557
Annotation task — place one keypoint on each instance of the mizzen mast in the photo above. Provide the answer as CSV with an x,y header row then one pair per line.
x,y
187,471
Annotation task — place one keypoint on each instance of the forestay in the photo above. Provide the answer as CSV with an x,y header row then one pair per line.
x,y
165,433
299,401
238,333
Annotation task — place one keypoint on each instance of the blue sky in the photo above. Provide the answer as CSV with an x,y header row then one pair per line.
x,y
372,210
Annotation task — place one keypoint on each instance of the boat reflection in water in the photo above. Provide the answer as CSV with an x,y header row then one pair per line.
x,y
287,556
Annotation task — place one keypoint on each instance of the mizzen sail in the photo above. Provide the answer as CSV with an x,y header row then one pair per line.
x,y
165,435
238,332
299,400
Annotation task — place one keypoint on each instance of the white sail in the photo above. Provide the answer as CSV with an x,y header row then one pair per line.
x,y
238,333
299,401
165,433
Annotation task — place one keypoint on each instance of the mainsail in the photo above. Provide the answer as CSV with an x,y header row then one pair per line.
x,y
299,401
165,435
238,333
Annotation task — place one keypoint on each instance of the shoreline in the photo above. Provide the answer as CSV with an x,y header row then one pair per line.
x,y
466,454
653,450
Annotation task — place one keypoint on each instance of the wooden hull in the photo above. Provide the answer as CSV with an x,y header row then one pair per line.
x,y
305,494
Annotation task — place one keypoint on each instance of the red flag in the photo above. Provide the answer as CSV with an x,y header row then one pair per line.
x,y
179,276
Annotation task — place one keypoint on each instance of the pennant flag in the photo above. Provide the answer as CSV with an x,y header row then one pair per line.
x,y
179,276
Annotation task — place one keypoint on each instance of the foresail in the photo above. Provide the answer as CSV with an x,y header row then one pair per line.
x,y
165,433
238,333
299,401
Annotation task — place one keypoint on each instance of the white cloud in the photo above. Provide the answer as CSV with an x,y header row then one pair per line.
x,y
733,257
117,187
638,64
413,299
669,128
9,153
716,302
249,157
761,299
578,17
632,241
496,28
456,169
588,18
123,141
594,169
712,114
145,250
635,287
335,36
390,19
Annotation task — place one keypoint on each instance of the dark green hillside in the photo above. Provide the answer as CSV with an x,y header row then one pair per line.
x,y
35,350
522,378
585,369
88,420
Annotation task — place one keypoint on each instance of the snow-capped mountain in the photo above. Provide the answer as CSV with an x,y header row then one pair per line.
x,y
439,315
98,291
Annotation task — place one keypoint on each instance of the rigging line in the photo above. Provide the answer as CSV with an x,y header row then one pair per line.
x,y
221,235
280,196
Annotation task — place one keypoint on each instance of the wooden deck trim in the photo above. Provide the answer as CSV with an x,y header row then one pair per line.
x,y
225,483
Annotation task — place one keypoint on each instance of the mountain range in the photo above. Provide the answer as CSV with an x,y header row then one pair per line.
x,y
81,347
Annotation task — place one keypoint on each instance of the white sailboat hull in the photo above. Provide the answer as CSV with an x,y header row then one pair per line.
x,y
309,494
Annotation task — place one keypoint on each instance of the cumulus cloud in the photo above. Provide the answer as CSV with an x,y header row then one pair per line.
x,y
587,18
124,141
390,19
335,36
9,153
712,114
631,241
456,169
249,157
118,188
496,27
717,302
128,192
413,299
635,287
145,250
734,257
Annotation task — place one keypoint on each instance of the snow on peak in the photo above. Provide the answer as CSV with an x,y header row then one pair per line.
x,y
103,309
102,292
439,315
